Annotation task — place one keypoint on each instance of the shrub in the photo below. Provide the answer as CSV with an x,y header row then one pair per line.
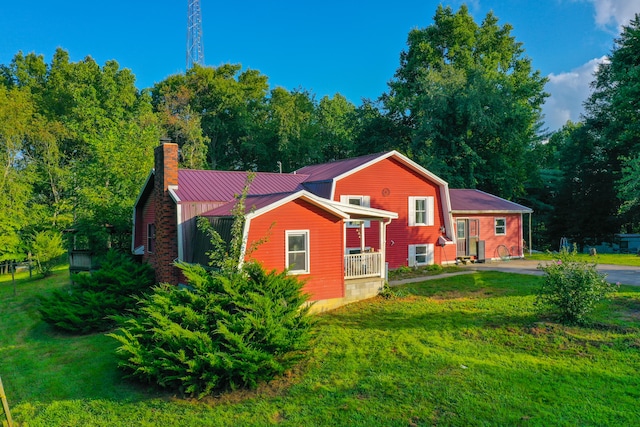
x,y
47,247
221,331
572,287
234,325
88,304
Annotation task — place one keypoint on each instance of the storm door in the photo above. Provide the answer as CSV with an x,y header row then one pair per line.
x,y
468,233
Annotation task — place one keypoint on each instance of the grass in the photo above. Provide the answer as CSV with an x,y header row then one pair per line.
x,y
461,350
616,259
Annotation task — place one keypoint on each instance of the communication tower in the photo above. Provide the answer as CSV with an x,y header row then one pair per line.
x,y
195,50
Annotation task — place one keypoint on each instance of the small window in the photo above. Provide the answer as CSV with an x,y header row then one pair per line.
x,y
421,210
364,201
151,238
297,251
501,226
421,254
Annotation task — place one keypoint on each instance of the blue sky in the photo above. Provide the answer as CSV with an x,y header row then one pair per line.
x,y
326,47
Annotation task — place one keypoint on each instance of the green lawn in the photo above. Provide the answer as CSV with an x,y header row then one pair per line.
x,y
464,350
619,259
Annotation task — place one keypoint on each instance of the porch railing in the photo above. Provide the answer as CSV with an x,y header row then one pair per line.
x,y
368,264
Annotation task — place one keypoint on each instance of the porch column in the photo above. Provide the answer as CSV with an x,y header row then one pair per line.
x,y
362,239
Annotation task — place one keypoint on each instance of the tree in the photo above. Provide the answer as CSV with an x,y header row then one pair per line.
x,y
470,101
47,248
612,116
16,175
89,143
336,126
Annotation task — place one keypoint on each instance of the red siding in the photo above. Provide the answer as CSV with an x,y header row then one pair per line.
x,y
326,260
148,217
390,184
512,239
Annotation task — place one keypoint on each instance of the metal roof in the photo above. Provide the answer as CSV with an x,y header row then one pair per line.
x,y
476,201
212,185
252,203
331,170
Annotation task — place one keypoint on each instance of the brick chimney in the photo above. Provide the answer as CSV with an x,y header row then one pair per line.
x,y
166,244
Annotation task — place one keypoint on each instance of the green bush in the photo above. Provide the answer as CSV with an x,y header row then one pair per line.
x,y
47,247
223,330
88,305
572,287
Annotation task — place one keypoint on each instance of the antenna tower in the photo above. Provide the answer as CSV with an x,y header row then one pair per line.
x,y
195,51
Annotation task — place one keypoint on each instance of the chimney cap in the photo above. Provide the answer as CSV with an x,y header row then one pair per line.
x,y
165,140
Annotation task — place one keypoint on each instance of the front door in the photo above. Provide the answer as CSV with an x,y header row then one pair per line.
x,y
468,233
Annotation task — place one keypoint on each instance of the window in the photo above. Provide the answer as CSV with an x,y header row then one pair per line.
x,y
421,254
364,201
297,249
151,238
501,226
421,210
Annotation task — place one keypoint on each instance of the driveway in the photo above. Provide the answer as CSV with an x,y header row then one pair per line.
x,y
622,274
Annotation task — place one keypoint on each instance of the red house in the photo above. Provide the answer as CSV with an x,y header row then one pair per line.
x,y
338,225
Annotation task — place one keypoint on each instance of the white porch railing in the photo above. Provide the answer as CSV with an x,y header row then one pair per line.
x,y
367,264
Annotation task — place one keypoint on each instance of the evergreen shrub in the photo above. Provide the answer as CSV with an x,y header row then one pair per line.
x,y
88,305
572,287
221,331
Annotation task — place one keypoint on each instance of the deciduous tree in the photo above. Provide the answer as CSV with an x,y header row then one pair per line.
x,y
470,101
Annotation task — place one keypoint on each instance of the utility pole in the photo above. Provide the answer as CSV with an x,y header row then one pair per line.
x,y
195,50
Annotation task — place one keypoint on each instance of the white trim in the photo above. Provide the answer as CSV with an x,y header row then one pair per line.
x,y
442,184
307,249
320,202
179,225
135,209
245,239
365,202
429,206
429,254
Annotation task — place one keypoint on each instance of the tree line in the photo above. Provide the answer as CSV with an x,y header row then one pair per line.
x,y
77,138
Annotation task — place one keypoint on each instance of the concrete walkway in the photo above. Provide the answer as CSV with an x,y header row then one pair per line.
x,y
622,274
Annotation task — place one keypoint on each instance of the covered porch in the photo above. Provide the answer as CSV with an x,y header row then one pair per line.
x,y
367,259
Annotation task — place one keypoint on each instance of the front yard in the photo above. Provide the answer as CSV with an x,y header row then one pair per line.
x,y
461,350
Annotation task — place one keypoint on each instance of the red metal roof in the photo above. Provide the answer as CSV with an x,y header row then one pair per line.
x,y
328,171
251,203
211,185
464,200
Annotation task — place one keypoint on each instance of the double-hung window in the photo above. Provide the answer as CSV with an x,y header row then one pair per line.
x,y
421,210
501,226
151,238
297,251
421,254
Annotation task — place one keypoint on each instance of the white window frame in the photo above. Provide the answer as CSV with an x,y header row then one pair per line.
x,y
496,227
429,204
289,233
365,202
151,237
415,251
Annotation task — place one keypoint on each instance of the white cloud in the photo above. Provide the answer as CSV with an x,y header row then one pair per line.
x,y
568,91
614,13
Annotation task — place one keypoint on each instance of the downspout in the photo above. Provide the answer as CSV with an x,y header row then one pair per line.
x,y
383,246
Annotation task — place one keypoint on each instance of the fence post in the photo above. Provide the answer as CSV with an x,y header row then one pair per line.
x,y
13,277
5,405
